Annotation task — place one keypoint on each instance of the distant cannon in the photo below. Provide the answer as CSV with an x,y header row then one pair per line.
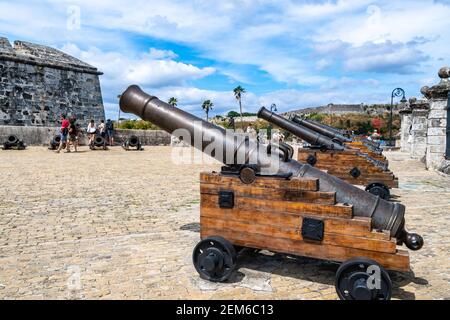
x,y
267,200
55,142
132,142
320,129
332,154
13,142
98,142
342,135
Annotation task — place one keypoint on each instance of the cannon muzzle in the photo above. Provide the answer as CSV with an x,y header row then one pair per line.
x,y
310,136
229,149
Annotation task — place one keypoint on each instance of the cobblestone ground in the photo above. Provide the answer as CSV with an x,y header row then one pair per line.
x,y
122,225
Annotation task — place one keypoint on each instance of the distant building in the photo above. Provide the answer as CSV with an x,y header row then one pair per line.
x,y
340,109
39,83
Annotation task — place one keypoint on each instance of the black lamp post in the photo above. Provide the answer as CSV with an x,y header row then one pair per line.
x,y
118,118
397,92
273,108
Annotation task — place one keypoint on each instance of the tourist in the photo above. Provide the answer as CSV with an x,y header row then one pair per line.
x,y
102,129
64,132
73,134
110,131
91,130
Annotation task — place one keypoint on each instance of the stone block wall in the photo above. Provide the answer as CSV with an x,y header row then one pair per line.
x,y
405,131
419,127
38,84
41,136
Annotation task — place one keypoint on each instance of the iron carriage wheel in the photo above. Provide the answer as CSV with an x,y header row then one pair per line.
x,y
379,189
214,259
362,279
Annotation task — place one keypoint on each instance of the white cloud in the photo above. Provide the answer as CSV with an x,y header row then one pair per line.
x,y
304,46
155,69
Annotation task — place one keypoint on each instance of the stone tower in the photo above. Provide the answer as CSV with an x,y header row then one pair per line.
x,y
39,83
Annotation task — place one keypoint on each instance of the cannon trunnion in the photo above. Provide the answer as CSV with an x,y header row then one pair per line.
x,y
278,204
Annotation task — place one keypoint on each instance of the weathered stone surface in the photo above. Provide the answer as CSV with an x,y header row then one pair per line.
x,y
406,132
429,119
39,83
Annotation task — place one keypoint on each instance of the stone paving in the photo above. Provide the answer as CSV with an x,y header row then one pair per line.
x,y
122,225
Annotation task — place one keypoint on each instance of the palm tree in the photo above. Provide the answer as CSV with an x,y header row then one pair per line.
x,y
207,105
173,101
238,91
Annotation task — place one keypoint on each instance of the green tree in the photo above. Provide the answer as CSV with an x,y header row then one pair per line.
x,y
238,91
207,106
173,101
232,114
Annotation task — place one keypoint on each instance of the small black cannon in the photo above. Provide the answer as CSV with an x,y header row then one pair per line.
x,y
54,143
13,142
132,143
98,142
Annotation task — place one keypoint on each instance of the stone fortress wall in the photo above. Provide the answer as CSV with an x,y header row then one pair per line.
x,y
39,83
425,127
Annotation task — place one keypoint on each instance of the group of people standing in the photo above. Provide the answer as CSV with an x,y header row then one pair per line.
x,y
70,132
106,130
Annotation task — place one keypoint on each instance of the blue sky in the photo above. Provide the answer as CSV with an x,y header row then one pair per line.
x,y
293,53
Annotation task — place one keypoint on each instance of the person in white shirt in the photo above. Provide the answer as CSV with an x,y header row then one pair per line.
x,y
91,130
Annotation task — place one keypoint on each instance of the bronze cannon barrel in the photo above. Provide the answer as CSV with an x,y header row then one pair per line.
x,y
322,130
310,136
374,146
385,215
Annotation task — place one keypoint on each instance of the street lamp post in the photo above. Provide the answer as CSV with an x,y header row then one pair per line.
x,y
397,92
118,118
273,108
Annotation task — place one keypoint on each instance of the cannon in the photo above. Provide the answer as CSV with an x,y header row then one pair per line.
x,y
333,135
98,142
54,143
13,142
342,135
267,200
132,142
347,163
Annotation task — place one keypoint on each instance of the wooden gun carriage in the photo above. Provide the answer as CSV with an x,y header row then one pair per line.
x,y
293,217
350,166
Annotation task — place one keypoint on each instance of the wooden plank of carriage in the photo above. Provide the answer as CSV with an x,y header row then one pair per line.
x,y
337,210
346,167
398,261
273,194
357,226
296,183
352,155
294,232
365,180
346,170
